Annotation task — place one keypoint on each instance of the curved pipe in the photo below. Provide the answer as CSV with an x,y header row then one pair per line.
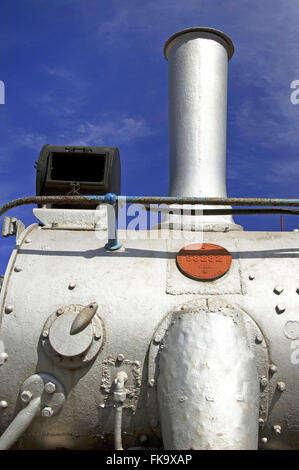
x,y
208,385
20,423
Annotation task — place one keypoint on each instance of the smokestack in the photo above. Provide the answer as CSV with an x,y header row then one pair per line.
x,y
197,80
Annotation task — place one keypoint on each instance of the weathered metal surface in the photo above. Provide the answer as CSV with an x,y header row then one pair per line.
x,y
204,262
66,348
197,86
157,200
84,318
37,401
261,262
217,373
154,200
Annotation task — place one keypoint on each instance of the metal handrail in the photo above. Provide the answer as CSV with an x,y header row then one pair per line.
x,y
280,206
112,199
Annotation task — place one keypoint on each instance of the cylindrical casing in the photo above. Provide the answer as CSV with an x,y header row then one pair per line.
x,y
208,385
197,64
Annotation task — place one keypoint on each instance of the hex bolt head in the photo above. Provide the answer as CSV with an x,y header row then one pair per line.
x,y
251,277
280,308
47,412
277,428
281,386
72,285
258,339
120,357
263,381
273,368
8,309
278,289
26,396
17,269
50,387
3,404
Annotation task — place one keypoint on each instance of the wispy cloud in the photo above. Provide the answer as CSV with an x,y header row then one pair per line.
x,y
119,130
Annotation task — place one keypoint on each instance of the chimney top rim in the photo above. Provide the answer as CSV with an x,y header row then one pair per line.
x,y
201,32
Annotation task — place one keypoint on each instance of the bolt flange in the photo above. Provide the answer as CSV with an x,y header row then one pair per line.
x,y
26,396
281,386
50,387
47,412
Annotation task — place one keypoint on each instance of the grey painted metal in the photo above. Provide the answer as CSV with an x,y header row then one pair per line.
x,y
197,89
20,423
206,368
130,322
36,400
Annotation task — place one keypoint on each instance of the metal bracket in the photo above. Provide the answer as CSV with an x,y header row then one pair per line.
x,y
42,395
12,226
113,243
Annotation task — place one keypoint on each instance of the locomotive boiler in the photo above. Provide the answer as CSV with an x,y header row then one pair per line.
x,y
183,336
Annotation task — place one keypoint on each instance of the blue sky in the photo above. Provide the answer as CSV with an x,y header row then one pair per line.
x,y
93,72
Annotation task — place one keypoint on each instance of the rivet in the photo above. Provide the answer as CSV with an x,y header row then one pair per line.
x,y
273,368
3,357
281,386
28,240
59,311
50,387
136,363
120,357
47,412
251,277
102,405
258,338
17,269
97,336
278,289
182,399
264,440
280,308
72,285
277,428
3,404
143,438
261,422
264,381
26,396
45,334
157,339
152,382
8,308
